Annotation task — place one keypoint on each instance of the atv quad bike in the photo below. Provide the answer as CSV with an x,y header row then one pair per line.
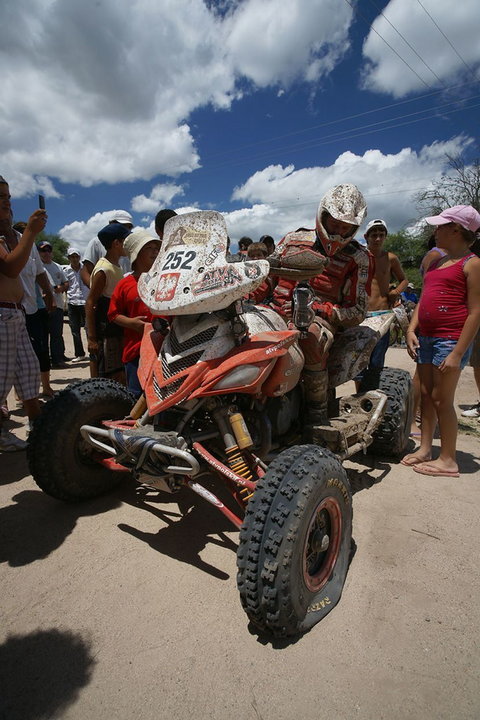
x,y
223,396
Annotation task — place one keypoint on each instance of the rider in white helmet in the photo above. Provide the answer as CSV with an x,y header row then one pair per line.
x,y
341,287
340,213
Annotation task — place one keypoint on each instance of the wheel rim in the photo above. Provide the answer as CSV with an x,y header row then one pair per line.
x,y
322,544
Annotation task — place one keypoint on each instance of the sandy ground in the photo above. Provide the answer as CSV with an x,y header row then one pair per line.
x,y
126,606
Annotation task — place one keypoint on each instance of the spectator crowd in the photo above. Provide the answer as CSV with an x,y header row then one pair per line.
x,y
106,316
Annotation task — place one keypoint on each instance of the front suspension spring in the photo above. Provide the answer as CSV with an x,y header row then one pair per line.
x,y
240,467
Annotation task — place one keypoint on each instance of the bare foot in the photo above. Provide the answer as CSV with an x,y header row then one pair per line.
x,y
415,458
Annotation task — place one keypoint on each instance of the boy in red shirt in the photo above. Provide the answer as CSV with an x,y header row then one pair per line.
x,y
127,309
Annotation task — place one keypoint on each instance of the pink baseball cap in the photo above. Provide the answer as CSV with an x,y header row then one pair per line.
x,y
464,215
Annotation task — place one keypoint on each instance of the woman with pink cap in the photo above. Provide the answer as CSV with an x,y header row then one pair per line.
x,y
440,334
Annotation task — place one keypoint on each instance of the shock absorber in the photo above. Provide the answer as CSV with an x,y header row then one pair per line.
x,y
232,442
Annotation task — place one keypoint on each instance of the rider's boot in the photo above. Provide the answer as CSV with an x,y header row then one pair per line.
x,y
315,383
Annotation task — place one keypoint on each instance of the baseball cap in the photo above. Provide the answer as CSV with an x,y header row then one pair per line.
x,y
44,244
73,251
121,216
136,241
116,231
464,215
376,223
411,286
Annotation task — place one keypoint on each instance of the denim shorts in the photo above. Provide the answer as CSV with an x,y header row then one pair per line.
x,y
434,350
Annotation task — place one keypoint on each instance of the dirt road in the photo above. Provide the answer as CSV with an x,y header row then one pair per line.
x,y
126,606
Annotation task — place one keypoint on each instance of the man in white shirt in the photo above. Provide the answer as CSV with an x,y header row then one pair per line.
x,y
59,284
77,294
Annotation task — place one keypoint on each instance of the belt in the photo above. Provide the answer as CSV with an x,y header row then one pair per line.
x,y
12,306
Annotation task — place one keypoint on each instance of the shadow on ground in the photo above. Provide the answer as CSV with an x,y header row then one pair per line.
x,y
190,524
41,674
36,524
14,467
369,471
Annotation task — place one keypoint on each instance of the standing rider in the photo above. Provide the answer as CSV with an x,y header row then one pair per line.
x,y
340,288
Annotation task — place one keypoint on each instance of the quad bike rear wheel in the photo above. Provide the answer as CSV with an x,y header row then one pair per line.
x,y
62,464
295,541
390,439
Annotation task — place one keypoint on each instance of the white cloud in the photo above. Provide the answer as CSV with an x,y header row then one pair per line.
x,y
102,92
272,41
385,71
160,196
279,199
80,232
284,199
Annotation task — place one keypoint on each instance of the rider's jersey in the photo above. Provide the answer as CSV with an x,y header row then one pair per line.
x,y
342,288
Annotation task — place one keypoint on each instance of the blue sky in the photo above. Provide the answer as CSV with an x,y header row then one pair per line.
x,y
254,108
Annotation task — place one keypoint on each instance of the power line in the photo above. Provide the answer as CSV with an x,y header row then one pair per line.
x,y
407,42
344,135
226,153
409,122
239,148
337,120
314,200
447,39
388,44
308,143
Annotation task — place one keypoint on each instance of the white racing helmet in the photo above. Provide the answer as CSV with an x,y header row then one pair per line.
x,y
345,203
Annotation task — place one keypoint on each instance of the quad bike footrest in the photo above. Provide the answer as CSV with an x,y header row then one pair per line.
x,y
351,431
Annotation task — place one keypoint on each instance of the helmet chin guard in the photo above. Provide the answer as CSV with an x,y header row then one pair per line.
x,y
346,204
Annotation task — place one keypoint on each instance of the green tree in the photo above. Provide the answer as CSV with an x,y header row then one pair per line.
x,y
459,184
59,246
410,250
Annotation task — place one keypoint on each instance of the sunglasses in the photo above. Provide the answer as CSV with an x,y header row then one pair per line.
x,y
45,250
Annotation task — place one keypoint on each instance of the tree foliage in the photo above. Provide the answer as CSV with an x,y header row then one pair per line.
x,y
458,185
410,250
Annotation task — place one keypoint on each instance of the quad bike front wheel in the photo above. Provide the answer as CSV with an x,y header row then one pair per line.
x,y
295,541
62,464
390,439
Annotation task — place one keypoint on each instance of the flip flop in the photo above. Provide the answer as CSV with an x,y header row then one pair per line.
x,y
414,461
415,434
435,472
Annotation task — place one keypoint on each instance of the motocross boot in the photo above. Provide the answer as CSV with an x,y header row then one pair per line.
x,y
315,383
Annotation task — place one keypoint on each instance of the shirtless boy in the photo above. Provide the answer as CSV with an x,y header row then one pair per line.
x,y
387,265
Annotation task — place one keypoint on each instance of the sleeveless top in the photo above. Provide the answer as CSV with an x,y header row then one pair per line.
x,y
113,274
443,306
